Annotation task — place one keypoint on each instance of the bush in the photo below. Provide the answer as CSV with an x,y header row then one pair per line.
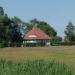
x,y
63,43
2,45
67,43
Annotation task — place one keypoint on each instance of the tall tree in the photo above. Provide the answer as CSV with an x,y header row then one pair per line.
x,y
70,32
4,25
11,29
1,11
16,20
15,31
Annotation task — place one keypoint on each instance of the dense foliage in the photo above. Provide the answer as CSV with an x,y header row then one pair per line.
x,y
43,26
12,31
37,67
9,30
70,32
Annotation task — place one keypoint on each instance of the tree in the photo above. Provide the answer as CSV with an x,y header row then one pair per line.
x,y
9,29
70,32
1,11
43,26
4,25
47,29
15,31
16,20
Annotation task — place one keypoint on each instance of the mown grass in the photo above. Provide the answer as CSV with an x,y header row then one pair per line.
x,y
35,67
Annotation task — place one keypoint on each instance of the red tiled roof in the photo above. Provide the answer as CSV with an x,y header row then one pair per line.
x,y
36,33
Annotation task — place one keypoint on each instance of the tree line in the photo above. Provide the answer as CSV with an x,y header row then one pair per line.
x,y
12,31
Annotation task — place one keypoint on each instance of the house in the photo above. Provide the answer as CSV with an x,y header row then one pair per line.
x,y
36,37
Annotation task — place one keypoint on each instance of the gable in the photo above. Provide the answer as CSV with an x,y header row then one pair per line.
x,y
37,34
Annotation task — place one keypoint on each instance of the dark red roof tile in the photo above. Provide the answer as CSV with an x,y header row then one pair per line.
x,y
36,33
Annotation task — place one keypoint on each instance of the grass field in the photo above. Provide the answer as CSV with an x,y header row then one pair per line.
x,y
64,54
34,67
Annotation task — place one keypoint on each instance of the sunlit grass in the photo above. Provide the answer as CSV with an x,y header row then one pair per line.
x,y
35,67
64,54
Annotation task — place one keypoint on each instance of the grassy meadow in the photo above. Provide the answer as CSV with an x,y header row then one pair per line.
x,y
62,54
35,67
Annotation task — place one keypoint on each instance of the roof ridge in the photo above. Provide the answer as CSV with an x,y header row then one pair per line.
x,y
38,32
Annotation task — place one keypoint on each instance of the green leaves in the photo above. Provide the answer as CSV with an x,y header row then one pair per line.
x,y
47,29
1,11
70,32
16,20
43,26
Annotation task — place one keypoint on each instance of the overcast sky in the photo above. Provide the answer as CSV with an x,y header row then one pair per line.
x,y
56,12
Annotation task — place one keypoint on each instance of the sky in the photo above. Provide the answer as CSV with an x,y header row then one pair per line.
x,y
56,12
